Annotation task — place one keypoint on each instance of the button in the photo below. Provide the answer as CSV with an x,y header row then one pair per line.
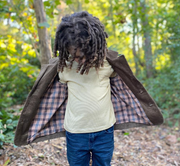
x,y
150,105
141,91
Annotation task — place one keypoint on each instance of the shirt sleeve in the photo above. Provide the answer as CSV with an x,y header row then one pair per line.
x,y
110,71
61,78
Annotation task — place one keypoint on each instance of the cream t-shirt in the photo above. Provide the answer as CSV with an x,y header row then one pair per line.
x,y
89,107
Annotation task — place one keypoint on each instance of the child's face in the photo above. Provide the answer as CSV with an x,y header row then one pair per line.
x,y
72,51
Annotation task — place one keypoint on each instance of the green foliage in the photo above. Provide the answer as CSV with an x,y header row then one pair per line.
x,y
165,90
68,2
19,64
8,122
86,1
50,6
17,75
3,8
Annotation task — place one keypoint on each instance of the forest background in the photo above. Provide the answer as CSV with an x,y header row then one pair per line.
x,y
146,32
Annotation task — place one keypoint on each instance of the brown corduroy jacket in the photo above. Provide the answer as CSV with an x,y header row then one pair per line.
x,y
136,95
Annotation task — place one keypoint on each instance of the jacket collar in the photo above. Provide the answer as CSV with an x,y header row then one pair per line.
x,y
112,55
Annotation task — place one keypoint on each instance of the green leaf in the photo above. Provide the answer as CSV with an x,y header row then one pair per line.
x,y
126,133
10,127
170,124
6,162
1,125
9,121
68,2
47,3
50,13
86,1
2,137
176,116
57,2
1,144
44,24
14,123
176,124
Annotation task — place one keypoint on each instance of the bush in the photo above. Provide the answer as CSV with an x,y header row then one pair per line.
x,y
165,90
8,123
14,87
19,69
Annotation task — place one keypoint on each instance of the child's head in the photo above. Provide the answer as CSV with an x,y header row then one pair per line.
x,y
82,36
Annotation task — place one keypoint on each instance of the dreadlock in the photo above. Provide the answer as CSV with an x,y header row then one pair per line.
x,y
84,32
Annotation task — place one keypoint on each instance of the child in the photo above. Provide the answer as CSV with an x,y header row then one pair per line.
x,y
89,117
84,108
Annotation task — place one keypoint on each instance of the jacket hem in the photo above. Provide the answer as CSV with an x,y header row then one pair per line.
x,y
122,126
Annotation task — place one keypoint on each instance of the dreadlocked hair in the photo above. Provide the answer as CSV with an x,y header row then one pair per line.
x,y
84,32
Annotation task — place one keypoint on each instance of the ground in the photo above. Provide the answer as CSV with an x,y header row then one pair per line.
x,y
157,145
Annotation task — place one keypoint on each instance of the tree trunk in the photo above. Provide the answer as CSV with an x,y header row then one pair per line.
x,y
112,19
44,39
79,7
147,40
134,18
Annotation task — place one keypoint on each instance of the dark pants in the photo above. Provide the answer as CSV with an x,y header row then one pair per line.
x,y
80,146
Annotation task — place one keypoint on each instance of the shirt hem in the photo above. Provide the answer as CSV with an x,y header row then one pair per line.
x,y
90,131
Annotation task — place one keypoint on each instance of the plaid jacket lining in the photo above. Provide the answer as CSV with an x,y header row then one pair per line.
x,y
50,115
